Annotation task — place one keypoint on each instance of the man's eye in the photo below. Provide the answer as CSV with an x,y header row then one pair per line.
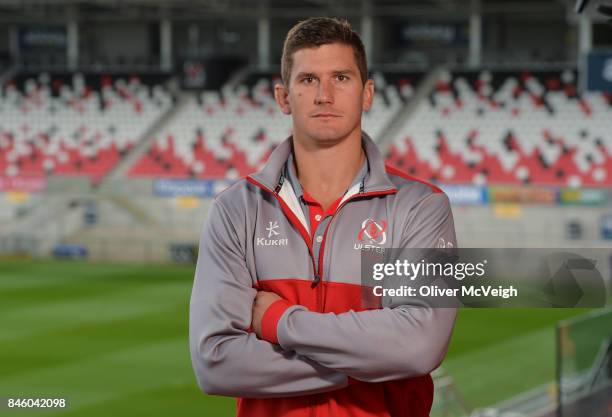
x,y
308,80
342,77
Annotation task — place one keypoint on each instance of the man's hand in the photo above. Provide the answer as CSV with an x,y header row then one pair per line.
x,y
262,301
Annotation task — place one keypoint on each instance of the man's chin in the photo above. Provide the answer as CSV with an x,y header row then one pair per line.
x,y
328,137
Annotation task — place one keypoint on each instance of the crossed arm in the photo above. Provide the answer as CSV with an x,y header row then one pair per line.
x,y
293,351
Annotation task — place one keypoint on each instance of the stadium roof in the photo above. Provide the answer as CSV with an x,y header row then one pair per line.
x,y
34,10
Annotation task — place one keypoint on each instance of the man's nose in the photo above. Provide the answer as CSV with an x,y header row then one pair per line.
x,y
325,93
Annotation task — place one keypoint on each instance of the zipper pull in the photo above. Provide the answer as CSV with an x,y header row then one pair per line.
x,y
281,180
317,279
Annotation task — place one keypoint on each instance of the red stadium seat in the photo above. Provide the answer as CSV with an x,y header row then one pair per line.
x,y
52,127
509,127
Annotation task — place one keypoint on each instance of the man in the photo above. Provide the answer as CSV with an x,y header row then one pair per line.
x,y
277,316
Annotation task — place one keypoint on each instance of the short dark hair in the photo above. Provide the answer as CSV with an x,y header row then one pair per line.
x,y
317,31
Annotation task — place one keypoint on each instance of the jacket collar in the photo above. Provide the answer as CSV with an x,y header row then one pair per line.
x,y
272,177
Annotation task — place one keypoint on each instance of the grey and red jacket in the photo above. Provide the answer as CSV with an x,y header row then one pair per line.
x,y
324,353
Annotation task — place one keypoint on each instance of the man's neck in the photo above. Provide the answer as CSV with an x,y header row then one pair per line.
x,y
327,172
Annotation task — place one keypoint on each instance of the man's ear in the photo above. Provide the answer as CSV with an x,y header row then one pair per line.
x,y
281,95
368,95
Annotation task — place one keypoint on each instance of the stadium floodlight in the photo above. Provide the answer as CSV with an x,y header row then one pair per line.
x,y
604,9
580,5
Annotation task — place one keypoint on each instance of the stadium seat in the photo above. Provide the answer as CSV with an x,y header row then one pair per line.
x,y
509,127
64,126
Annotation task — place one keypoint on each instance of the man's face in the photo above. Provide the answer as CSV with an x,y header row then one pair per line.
x,y
326,95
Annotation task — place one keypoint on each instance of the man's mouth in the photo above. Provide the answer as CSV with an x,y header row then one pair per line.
x,y
325,115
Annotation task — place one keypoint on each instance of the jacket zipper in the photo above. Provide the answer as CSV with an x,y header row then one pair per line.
x,y
319,276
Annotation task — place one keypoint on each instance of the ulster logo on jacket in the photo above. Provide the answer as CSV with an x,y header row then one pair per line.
x,y
372,235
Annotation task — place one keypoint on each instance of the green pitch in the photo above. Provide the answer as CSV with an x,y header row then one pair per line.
x,y
113,341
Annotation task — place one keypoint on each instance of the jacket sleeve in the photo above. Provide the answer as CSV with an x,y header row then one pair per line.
x,y
406,338
226,357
